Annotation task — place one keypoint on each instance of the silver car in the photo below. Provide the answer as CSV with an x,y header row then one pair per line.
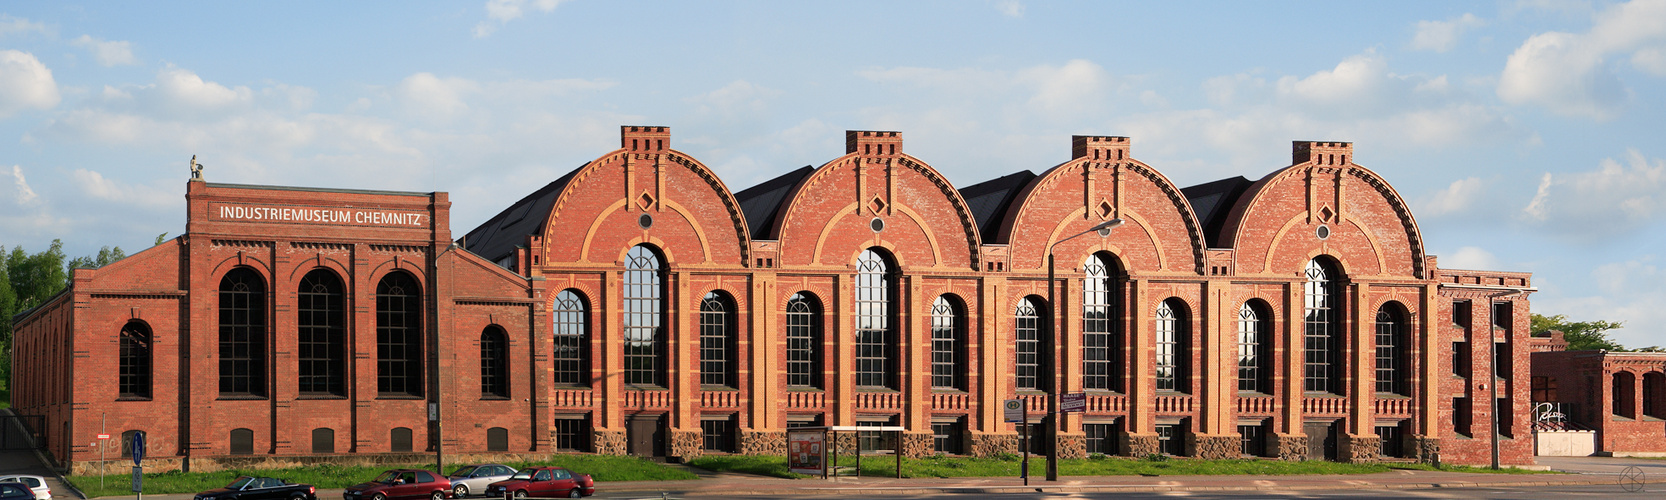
x,y
474,478
36,484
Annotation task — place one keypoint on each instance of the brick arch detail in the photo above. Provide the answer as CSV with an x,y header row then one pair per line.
x,y
732,207
962,212
1079,167
1348,269
386,267
260,266
1254,199
301,269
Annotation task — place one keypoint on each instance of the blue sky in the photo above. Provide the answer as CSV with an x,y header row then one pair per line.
x,y
1525,134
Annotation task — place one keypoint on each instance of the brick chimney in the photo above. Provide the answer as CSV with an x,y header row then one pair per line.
x,y
1099,147
644,139
873,143
1321,153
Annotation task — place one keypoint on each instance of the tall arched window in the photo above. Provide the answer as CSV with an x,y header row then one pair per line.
x,y
243,334
494,363
1623,389
804,341
1392,345
1101,353
1032,365
717,341
1173,332
320,335
948,344
1254,345
571,352
133,374
1654,395
1322,361
644,307
398,336
875,342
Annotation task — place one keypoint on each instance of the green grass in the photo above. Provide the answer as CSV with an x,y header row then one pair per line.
x,y
942,466
327,476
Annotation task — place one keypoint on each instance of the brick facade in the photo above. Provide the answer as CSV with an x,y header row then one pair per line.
x,y
1181,269
1620,395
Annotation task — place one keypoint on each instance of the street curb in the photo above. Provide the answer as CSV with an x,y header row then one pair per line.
x,y
1132,488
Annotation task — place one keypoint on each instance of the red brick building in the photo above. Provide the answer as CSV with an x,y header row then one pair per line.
x,y
1620,395
638,305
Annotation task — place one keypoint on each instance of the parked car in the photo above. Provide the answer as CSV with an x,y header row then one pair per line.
x,y
260,488
36,484
401,484
544,482
473,479
15,491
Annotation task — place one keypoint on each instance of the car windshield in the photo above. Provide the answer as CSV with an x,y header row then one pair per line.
x,y
525,474
239,483
463,471
387,477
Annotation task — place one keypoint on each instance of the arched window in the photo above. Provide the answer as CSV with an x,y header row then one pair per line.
x,y
571,352
1101,349
320,334
242,442
1654,394
1392,344
497,439
127,443
399,439
323,440
242,334
1624,389
494,363
1320,331
398,336
1173,332
1255,368
133,374
804,341
875,342
948,343
1032,365
644,303
717,341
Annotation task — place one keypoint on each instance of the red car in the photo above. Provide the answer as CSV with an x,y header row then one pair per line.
x,y
401,484
544,482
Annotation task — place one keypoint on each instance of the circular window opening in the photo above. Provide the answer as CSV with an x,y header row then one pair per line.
x,y
876,224
1323,232
646,221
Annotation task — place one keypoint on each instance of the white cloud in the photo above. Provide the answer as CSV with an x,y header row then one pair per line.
x,y
1470,258
1651,60
16,25
504,11
1010,8
1077,89
432,97
1627,291
1442,36
738,98
25,194
1455,198
108,53
100,187
1571,74
25,83
1613,198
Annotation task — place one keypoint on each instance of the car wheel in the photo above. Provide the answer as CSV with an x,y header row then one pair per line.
x,y
520,494
379,496
438,495
576,493
460,491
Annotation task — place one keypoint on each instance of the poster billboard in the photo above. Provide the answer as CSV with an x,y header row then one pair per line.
x,y
807,451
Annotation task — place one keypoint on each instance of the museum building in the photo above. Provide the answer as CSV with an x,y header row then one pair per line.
x,y
638,305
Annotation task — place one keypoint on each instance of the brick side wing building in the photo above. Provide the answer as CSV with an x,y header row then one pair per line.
x,y
638,305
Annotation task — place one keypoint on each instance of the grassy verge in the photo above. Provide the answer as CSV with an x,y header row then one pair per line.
x,y
329,476
885,466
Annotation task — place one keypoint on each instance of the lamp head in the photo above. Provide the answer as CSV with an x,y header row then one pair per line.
x,y
1104,228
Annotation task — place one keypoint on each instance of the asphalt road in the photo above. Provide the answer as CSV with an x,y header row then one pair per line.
x,y
1614,492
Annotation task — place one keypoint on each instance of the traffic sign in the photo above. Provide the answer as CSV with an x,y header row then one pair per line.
x,y
1013,410
104,436
138,479
138,447
1073,402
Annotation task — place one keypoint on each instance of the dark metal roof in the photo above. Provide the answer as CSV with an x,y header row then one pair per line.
x,y
1213,202
497,237
990,200
762,203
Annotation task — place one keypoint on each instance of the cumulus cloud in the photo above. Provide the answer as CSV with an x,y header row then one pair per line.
x,y
16,26
25,194
1442,36
1573,74
108,53
738,98
25,83
1455,198
1613,198
1077,88
1629,291
98,186
503,11
1010,8
1470,258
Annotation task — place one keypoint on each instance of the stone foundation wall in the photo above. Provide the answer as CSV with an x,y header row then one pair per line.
x,y
918,445
763,442
1073,446
1140,445
1292,447
268,462
989,445
1360,449
609,442
1424,448
685,444
1215,446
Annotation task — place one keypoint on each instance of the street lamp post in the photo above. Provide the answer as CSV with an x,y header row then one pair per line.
x,y
1104,229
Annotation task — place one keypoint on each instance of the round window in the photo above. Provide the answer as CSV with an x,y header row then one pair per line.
x,y
1323,232
876,224
646,221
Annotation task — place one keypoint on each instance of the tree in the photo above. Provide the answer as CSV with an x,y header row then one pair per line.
x,y
1581,335
105,256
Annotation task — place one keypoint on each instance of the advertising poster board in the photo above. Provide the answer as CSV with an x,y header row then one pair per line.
x,y
807,451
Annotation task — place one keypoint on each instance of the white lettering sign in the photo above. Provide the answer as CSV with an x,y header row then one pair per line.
x,y
348,216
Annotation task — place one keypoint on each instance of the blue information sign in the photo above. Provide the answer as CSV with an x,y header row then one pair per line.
x,y
138,447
